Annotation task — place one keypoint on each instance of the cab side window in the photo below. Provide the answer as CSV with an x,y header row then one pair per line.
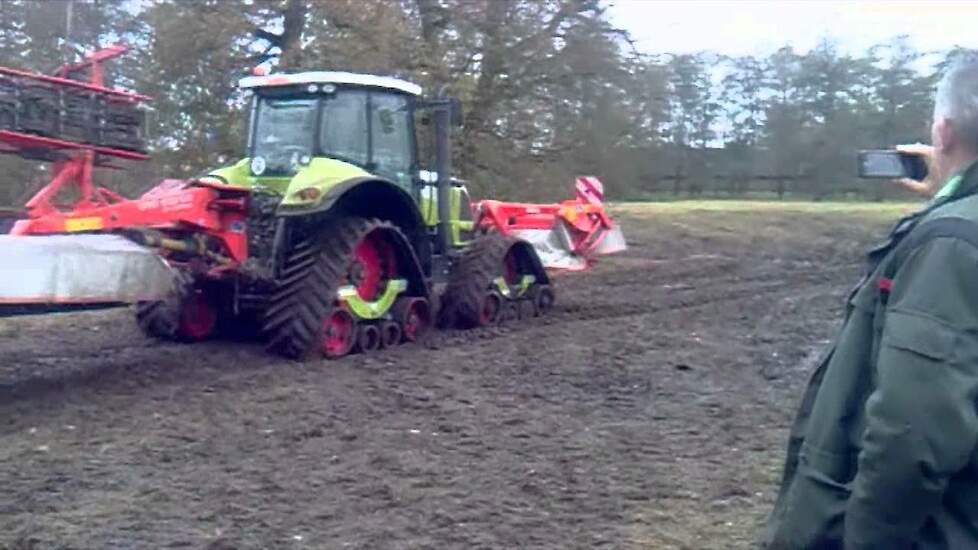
x,y
344,133
391,132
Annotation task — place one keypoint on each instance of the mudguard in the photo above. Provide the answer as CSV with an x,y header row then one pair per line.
x,y
391,197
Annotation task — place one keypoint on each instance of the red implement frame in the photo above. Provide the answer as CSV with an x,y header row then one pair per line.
x,y
75,170
181,212
190,207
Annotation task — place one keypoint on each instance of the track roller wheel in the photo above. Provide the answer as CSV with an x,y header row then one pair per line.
x,y
183,317
508,313
543,300
414,317
491,309
390,334
339,333
368,338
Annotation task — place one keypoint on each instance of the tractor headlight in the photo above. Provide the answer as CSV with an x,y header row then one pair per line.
x,y
258,166
309,193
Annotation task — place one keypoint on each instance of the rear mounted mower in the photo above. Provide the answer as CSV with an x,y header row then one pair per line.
x,y
325,239
568,235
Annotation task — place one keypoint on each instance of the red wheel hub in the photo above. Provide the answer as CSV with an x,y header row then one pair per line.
x,y
413,325
374,263
339,331
197,317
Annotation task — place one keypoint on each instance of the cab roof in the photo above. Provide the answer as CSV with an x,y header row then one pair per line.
x,y
330,77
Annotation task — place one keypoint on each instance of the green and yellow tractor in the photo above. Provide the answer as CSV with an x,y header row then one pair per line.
x,y
350,245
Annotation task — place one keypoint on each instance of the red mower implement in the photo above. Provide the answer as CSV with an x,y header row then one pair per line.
x,y
566,235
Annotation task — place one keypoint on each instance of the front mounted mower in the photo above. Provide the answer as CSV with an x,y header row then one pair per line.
x,y
325,238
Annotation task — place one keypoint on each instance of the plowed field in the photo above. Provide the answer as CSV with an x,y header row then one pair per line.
x,y
648,411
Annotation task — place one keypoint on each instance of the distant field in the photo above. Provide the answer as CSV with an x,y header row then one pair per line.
x,y
843,207
858,194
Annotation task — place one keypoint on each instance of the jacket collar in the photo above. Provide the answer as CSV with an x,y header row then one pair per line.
x,y
968,184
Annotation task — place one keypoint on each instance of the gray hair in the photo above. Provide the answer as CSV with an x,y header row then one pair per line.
x,y
957,100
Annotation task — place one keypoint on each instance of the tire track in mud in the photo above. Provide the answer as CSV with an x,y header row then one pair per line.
x,y
102,351
689,296
146,358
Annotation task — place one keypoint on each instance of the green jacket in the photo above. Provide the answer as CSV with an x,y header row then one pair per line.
x,y
884,449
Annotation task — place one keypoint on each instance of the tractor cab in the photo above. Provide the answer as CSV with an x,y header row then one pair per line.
x,y
363,120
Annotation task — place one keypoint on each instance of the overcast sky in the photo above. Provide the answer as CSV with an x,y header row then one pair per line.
x,y
759,27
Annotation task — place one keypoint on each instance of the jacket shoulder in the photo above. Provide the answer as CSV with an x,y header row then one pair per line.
x,y
950,226
965,208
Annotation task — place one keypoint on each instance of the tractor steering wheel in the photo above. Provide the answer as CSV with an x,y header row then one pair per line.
x,y
289,151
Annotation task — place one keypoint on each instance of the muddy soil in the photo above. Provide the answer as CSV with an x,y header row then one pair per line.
x,y
648,411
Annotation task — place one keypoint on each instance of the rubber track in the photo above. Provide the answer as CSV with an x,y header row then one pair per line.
x,y
481,262
306,290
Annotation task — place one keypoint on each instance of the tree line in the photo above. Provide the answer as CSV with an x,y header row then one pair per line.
x,y
551,89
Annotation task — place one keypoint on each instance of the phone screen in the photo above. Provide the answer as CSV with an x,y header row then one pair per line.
x,y
881,164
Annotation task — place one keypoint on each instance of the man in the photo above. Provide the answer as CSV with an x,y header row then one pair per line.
x,y
884,449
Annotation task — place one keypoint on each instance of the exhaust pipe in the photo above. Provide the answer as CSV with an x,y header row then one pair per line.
x,y
443,162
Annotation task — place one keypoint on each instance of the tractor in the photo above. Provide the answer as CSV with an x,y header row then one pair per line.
x,y
348,246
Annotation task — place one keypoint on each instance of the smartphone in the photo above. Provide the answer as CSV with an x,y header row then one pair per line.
x,y
891,164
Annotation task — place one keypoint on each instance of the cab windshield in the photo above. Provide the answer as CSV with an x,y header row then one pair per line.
x,y
367,128
285,130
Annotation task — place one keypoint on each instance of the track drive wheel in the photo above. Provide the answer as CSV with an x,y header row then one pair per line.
x,y
184,317
349,250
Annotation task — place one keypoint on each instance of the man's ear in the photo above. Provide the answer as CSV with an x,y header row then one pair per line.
x,y
944,136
